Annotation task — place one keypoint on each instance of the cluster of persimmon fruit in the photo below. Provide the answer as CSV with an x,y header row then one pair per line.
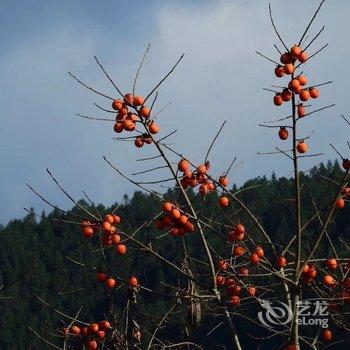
x,y
110,235
174,220
90,335
198,178
233,287
237,235
296,85
130,111
111,282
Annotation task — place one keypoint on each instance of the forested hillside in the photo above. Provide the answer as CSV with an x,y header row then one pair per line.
x,y
36,256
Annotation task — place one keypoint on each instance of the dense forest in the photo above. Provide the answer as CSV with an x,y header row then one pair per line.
x,y
42,256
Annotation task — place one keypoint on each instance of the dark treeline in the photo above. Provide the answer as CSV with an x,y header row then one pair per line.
x,y
34,251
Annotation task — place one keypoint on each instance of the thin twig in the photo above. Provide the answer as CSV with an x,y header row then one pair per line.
x,y
312,19
89,87
276,31
139,69
215,138
166,76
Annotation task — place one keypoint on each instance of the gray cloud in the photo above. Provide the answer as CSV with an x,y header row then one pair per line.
x,y
220,78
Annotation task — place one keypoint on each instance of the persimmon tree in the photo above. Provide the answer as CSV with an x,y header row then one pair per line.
x,y
225,282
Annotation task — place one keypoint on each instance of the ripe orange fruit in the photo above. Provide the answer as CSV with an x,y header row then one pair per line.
x,y
104,325
110,283
259,252
183,219
286,95
283,133
252,290
129,125
167,207
75,330
189,227
312,271
211,186
300,110
346,164
327,334
118,127
133,117
332,263
133,282
340,203
303,57
314,93
279,71
277,99
93,327
238,250
109,218
302,80
304,95
175,214
183,165
240,228
116,239
139,141
101,276
203,189
116,219
153,128
220,280
254,258
285,58
302,147
106,226
328,280
281,261
235,300
145,112
223,181
91,344
233,290
147,139
117,105
138,100
289,68
223,202
121,249
294,85
88,231
128,99
202,169
295,50
223,265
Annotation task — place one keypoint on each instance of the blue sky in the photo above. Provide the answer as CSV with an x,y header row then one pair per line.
x,y
220,78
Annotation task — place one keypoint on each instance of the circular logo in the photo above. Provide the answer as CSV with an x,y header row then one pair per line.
x,y
275,313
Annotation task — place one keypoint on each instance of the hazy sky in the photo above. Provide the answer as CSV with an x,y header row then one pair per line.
x,y
220,78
